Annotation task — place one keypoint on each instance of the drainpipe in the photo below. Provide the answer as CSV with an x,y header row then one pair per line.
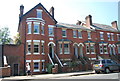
x,y
2,55
25,52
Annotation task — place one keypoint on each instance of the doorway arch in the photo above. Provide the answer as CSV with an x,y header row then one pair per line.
x,y
51,49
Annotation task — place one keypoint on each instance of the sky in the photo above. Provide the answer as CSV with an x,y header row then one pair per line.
x,y
66,11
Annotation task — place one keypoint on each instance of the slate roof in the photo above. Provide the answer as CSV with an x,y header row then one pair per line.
x,y
72,26
104,27
93,27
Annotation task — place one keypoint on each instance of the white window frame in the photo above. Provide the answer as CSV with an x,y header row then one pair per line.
x,y
37,42
101,48
36,61
29,27
88,49
92,45
118,37
42,29
36,23
68,48
64,32
79,32
89,35
104,49
28,42
51,26
39,11
43,66
74,33
109,38
101,35
112,37
43,43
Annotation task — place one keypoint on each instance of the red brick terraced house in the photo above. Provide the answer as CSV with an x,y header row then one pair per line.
x,y
47,41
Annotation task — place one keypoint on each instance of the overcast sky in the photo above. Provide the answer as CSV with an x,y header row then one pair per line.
x,y
66,11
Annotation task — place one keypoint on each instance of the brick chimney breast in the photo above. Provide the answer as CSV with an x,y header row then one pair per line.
x,y
114,24
88,20
21,10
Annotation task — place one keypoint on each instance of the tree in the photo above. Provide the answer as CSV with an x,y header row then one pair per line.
x,y
4,36
17,39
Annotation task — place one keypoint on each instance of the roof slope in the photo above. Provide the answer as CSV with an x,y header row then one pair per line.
x,y
71,26
104,27
92,28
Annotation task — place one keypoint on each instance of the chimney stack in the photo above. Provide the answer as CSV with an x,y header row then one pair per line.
x,y
21,10
114,24
52,11
88,21
78,22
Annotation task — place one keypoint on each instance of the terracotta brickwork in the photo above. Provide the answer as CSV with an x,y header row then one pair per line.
x,y
61,49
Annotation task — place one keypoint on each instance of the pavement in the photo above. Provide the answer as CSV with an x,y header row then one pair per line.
x,y
48,76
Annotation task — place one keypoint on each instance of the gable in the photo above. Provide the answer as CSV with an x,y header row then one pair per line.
x,y
42,8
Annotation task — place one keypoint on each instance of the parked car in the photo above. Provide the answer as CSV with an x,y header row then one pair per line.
x,y
106,66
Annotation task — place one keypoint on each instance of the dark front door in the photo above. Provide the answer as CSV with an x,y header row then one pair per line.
x,y
51,51
15,69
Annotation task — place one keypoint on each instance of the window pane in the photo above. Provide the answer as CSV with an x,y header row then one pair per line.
x,y
29,28
105,49
36,47
101,36
63,33
51,31
39,14
87,49
36,65
66,48
42,29
89,35
92,48
74,33
109,36
101,49
42,48
29,48
36,28
79,34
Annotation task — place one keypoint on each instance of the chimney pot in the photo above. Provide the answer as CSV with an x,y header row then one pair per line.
x,y
114,24
78,22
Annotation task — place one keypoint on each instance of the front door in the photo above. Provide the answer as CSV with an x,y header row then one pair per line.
x,y
16,66
76,51
81,51
51,50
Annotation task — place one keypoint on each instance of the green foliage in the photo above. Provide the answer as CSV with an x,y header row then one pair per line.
x,y
49,67
4,36
17,39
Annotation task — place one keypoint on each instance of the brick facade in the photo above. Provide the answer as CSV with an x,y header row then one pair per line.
x,y
60,49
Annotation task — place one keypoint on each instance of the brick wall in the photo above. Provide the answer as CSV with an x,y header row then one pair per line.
x,y
5,71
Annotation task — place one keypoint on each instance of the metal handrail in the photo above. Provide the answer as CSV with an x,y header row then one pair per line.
x,y
59,60
50,59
